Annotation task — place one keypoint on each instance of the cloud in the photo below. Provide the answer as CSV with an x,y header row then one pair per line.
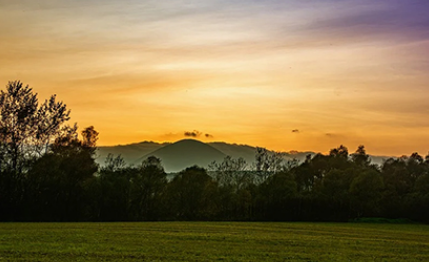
x,y
295,131
194,133
197,133
335,135
393,20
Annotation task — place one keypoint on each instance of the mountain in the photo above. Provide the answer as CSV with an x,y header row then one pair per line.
x,y
185,153
130,153
236,151
379,160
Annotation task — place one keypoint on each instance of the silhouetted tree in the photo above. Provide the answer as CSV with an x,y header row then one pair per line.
x,y
269,162
276,196
191,195
341,151
235,188
365,191
420,200
147,190
114,183
57,179
26,131
231,173
306,174
360,157
335,192
339,158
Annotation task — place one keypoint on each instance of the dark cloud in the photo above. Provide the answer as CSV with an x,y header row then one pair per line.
x,y
194,133
197,133
295,131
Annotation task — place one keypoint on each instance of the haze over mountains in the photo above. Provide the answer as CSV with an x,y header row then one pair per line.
x,y
185,153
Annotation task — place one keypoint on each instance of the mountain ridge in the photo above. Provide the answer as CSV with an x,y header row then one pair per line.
x,y
185,153
135,153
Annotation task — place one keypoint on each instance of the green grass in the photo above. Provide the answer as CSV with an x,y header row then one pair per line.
x,y
213,241
382,220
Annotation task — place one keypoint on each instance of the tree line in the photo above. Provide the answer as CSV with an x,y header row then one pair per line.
x,y
48,173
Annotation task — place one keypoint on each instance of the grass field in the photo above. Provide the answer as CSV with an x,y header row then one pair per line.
x,y
212,241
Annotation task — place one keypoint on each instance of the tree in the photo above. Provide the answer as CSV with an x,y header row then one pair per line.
x,y
113,164
56,181
27,129
26,132
335,191
421,199
341,151
339,158
269,162
276,195
365,192
305,174
231,172
191,195
235,182
360,157
147,189
114,183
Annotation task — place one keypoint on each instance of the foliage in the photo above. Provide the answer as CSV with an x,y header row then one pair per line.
x,y
55,187
191,194
27,129
148,189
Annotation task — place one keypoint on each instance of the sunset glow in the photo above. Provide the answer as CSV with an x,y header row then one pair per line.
x,y
286,75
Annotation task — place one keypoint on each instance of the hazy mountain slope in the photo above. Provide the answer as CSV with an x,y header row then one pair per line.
x,y
379,160
131,153
185,153
137,152
236,151
248,152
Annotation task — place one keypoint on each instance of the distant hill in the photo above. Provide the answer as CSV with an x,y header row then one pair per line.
x,y
248,152
185,153
131,153
236,151
379,160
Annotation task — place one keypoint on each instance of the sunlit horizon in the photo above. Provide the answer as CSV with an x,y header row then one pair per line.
x,y
285,75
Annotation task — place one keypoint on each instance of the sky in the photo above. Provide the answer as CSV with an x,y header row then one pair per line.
x,y
286,75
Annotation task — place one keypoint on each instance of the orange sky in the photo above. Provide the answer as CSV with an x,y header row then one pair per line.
x,y
286,75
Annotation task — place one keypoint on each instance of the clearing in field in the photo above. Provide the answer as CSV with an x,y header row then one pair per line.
x,y
212,241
